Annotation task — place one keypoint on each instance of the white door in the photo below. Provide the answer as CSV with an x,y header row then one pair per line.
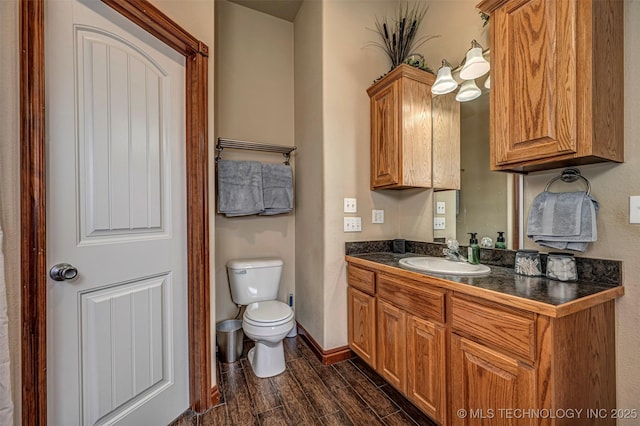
x,y
117,349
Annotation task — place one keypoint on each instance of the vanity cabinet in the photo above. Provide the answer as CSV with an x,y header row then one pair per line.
x,y
411,343
449,346
402,152
556,87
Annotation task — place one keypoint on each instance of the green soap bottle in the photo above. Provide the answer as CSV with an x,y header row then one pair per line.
x,y
473,252
500,243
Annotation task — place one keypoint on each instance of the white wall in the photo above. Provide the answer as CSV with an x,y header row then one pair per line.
x,y
254,96
10,187
310,307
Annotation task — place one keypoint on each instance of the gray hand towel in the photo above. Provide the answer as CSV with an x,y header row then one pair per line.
x,y
277,187
240,188
556,214
566,238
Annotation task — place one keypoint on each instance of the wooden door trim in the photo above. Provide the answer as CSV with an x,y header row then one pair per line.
x,y
33,200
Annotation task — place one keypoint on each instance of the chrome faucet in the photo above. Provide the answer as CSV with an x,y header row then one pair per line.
x,y
452,252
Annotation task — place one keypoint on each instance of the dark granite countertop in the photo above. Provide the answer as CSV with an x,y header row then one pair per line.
x,y
505,280
600,280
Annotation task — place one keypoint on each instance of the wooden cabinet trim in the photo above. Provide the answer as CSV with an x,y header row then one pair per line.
x,y
412,296
497,326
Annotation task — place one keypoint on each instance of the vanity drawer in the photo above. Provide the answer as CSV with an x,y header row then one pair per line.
x,y
362,279
497,326
412,296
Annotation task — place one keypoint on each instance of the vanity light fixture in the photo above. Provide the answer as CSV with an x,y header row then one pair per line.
x,y
444,81
475,64
468,91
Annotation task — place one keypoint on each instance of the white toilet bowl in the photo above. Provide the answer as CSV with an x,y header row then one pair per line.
x,y
267,323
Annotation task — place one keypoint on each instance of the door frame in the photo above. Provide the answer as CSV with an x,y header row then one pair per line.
x,y
33,272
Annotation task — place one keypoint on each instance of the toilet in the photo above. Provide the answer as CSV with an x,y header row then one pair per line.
x,y
267,321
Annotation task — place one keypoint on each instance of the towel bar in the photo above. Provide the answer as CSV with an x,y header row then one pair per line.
x,y
571,174
253,146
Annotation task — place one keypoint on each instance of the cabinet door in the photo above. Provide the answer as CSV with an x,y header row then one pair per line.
x,y
362,325
426,366
385,137
391,344
533,81
485,383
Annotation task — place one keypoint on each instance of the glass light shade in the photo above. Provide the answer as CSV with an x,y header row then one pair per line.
x,y
487,82
444,82
468,91
475,65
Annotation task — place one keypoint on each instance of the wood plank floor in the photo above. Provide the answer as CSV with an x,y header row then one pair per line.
x,y
307,393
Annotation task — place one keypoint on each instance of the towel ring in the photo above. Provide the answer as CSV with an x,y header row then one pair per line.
x,y
569,175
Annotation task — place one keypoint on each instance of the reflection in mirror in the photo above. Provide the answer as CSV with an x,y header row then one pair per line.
x,y
486,201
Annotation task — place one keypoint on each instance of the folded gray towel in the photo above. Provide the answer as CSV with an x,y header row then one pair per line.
x,y
556,214
240,188
563,220
277,187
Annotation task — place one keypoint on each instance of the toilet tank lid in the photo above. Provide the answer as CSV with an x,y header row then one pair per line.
x,y
262,262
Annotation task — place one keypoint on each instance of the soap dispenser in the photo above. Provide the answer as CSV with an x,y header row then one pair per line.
x,y
500,243
473,252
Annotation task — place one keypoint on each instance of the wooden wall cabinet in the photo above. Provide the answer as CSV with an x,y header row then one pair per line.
x,y
484,355
556,83
402,127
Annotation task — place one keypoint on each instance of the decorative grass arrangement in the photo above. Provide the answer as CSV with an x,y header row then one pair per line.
x,y
399,33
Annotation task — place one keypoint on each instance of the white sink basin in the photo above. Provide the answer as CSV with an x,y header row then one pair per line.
x,y
439,265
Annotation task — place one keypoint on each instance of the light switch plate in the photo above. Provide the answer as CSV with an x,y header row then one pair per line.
x,y
377,216
440,207
350,205
634,209
438,223
352,224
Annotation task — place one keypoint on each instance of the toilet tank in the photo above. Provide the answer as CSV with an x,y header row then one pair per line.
x,y
254,280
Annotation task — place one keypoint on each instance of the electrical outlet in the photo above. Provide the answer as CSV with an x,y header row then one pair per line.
x,y
352,224
634,209
438,223
440,207
377,216
350,205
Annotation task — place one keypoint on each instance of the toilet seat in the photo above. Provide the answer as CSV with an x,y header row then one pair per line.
x,y
268,313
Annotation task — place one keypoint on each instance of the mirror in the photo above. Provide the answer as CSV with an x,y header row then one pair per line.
x,y
487,201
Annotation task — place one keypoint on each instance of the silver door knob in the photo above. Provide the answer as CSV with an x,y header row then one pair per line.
x,y
63,272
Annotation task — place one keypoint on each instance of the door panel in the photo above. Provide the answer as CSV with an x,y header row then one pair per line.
x,y
126,346
391,344
117,348
123,104
426,366
485,381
